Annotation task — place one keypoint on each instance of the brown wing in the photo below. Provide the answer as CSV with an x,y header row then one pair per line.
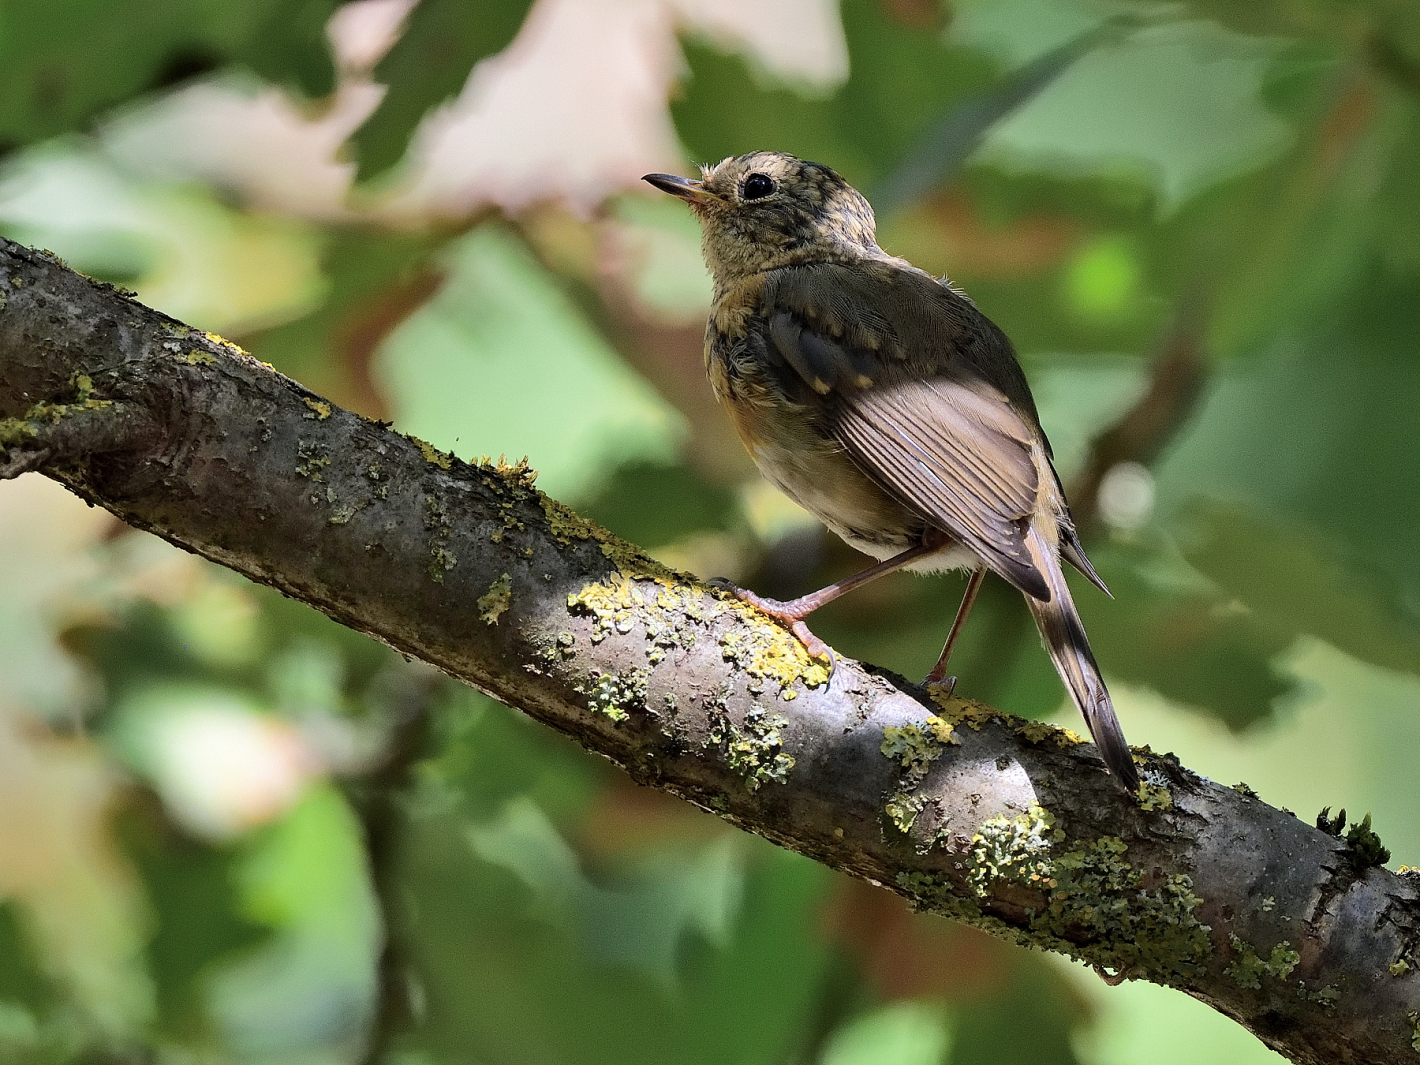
x,y
929,429
953,456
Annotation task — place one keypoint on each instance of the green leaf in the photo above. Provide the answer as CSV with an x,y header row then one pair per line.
x,y
374,281
183,249
502,362
1290,583
286,43
904,1033
313,982
643,918
62,62
428,65
1177,103
197,920
1168,630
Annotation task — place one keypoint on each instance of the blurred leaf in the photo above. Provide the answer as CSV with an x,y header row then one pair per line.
x,y
23,984
905,1033
546,385
657,505
1293,586
47,565
286,43
1102,281
64,61
662,239
489,754
222,765
1020,32
428,65
1178,103
81,904
1079,397
643,918
197,917
1314,430
375,281
1168,630
1143,1021
945,146
991,1032
900,80
186,252
313,983
504,985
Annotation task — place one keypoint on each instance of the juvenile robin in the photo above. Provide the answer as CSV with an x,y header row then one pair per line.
x,y
880,399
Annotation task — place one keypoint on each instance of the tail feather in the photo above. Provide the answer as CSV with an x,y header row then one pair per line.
x,y
1064,636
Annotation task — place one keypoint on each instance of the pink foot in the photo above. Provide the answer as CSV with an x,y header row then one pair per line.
x,y
934,681
790,614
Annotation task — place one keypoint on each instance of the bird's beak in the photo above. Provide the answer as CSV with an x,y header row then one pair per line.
x,y
691,190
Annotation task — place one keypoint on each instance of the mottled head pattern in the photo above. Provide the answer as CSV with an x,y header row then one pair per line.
x,y
769,209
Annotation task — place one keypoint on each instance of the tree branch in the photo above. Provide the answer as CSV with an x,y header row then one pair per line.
x,y
1007,824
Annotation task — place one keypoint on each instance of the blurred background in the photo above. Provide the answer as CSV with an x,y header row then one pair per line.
x,y
231,831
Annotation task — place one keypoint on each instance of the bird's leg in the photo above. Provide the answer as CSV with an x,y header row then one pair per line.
x,y
939,671
793,612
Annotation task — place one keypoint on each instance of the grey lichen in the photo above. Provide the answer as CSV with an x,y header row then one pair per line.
x,y
440,527
753,749
495,602
1248,968
1095,906
1016,849
616,694
313,460
915,747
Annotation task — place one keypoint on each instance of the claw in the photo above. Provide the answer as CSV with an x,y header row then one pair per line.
x,y
785,614
949,683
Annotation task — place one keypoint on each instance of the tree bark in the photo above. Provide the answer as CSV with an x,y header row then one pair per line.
x,y
1011,825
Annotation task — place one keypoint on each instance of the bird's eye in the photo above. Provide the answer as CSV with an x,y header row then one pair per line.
x,y
757,186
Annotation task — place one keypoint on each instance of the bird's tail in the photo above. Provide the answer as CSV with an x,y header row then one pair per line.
x,y
1064,636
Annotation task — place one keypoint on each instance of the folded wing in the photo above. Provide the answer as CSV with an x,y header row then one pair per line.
x,y
949,447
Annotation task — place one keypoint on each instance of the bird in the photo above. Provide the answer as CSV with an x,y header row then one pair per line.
x,y
884,402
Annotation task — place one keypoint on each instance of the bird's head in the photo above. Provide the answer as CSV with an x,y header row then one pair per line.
x,y
768,209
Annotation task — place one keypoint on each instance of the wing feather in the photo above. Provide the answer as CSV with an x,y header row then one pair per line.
x,y
976,483
951,446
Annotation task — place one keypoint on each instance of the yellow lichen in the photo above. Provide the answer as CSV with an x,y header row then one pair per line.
x,y
432,455
495,602
966,712
766,651
1040,731
672,611
753,749
322,410
200,358
617,694
223,342
22,430
916,746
